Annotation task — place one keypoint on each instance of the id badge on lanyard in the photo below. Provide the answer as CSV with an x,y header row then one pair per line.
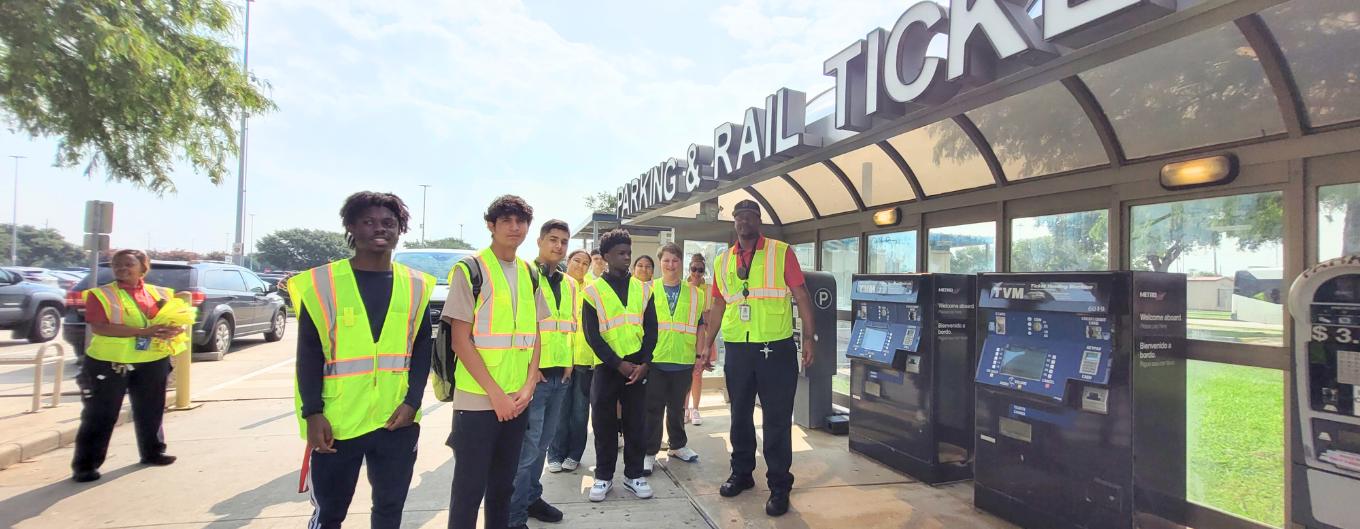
x,y
143,343
744,311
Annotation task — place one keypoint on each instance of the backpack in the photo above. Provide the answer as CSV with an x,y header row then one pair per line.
x,y
445,361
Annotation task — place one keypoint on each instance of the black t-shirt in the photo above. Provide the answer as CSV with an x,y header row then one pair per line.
x,y
375,289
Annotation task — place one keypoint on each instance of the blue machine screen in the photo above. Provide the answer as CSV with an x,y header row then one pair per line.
x,y
1023,363
874,339
1039,352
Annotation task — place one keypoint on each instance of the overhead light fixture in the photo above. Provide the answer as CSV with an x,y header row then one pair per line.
x,y
1200,172
887,217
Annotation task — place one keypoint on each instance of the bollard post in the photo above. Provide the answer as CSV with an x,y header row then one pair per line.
x,y
182,361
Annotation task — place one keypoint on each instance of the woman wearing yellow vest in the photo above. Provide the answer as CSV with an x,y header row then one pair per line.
x,y
619,320
707,353
753,285
679,322
127,355
569,445
495,333
363,358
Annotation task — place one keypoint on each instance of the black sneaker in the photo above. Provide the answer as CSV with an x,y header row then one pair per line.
x,y
159,460
540,510
85,476
778,503
735,485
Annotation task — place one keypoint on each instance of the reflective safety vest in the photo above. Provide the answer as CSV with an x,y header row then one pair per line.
x,y
364,381
581,353
504,329
123,310
560,329
620,324
677,330
764,290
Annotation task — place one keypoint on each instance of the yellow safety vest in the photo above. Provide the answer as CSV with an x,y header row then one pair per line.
x,y
763,290
581,353
677,330
620,324
504,330
560,329
364,381
123,310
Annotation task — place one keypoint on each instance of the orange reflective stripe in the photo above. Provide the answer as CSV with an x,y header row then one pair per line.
x,y
770,256
326,296
394,362
346,368
417,286
113,303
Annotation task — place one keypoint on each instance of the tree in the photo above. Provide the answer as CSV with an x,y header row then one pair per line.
x,y
172,255
1075,241
41,247
300,249
1343,200
603,202
448,243
129,87
1162,233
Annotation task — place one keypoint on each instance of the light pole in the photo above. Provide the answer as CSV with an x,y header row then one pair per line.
x,y
460,232
251,251
14,221
236,249
424,188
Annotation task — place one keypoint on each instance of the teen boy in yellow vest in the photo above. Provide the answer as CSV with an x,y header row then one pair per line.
x,y
124,357
679,320
495,336
569,445
554,367
752,286
619,320
363,357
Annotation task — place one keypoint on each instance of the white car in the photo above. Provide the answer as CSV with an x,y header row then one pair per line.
x,y
438,263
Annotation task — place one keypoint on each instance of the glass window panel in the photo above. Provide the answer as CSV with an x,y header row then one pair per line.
x,y
825,190
1235,439
1338,221
1321,43
1061,243
874,174
729,200
786,202
840,382
1039,132
1204,89
892,253
806,254
1230,250
963,249
841,258
943,158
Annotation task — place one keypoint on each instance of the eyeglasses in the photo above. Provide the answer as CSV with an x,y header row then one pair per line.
x,y
697,270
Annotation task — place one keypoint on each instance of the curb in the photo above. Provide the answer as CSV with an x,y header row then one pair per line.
x,y
46,441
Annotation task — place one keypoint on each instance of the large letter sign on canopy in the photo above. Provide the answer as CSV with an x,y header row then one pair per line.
x,y
882,76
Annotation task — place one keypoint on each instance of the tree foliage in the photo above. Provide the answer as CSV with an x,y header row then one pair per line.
x,y
41,247
128,87
603,202
1162,233
1071,242
447,243
185,255
300,249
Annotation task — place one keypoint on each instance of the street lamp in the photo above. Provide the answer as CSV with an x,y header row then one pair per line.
x,y
236,249
424,188
14,222
251,251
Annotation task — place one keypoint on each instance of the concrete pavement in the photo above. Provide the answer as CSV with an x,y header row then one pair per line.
x,y
240,453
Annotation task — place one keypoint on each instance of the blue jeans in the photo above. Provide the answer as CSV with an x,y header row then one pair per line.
x,y
570,441
544,415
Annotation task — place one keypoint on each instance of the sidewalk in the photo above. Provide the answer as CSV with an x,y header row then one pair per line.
x,y
25,434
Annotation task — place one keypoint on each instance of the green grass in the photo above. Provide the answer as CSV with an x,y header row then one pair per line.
x,y
1209,314
1235,440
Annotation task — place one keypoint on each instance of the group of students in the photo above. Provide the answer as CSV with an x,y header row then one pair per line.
x,y
542,349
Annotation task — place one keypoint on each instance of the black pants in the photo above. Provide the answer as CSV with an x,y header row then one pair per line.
x,y
608,390
666,394
484,465
751,372
391,457
102,389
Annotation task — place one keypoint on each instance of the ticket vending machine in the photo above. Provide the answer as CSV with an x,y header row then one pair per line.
x,y
911,357
1080,375
812,401
1325,466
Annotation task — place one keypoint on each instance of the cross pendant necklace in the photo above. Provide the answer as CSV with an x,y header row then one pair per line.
x,y
767,351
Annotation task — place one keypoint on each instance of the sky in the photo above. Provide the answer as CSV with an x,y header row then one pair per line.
x,y
553,101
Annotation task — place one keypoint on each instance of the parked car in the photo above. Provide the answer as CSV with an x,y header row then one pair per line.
x,y
36,275
232,303
66,280
31,310
438,263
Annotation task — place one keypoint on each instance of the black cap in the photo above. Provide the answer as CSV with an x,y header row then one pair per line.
x,y
746,205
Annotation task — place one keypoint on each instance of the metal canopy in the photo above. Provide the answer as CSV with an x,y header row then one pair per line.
x,y
1217,74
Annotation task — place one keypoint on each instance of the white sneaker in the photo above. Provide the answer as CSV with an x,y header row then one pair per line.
x,y
684,454
694,417
570,464
554,467
601,488
648,463
638,487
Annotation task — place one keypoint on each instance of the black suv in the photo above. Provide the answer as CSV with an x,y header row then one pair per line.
x,y
232,302
32,310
